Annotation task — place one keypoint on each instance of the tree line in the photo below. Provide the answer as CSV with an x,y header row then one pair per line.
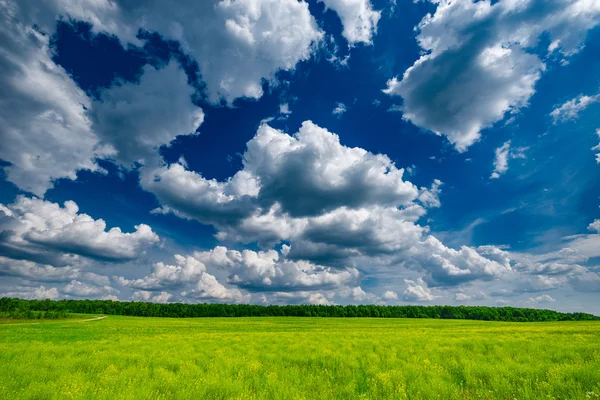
x,y
180,310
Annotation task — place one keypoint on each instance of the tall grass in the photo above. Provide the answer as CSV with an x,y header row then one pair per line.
x,y
299,358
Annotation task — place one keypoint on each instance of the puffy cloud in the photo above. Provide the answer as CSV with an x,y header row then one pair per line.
x,y
186,270
271,271
299,297
45,132
33,271
237,43
476,65
29,293
417,291
339,109
357,295
137,118
462,297
38,230
188,274
595,226
50,128
336,206
430,197
570,109
80,289
189,195
390,295
358,18
302,175
145,296
446,266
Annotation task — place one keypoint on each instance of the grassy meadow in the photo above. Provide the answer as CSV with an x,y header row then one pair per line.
x,y
298,358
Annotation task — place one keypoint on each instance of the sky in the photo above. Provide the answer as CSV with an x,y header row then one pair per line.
x,y
291,152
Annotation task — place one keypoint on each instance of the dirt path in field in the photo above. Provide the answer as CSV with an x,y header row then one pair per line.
x,y
39,323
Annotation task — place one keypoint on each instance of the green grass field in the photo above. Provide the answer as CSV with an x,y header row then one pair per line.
x,y
299,358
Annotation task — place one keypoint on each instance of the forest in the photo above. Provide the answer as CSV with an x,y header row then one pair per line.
x,y
179,310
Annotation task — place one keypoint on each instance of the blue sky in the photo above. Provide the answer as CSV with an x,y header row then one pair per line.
x,y
274,152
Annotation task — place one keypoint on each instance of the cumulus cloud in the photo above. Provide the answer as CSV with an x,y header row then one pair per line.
x,y
299,297
28,293
417,291
33,272
390,295
135,119
45,132
302,175
571,109
38,230
463,297
81,289
271,271
446,266
237,43
50,128
595,226
477,65
358,18
145,296
357,295
190,275
336,206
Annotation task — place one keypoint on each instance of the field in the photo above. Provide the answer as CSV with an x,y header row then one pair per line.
x,y
298,358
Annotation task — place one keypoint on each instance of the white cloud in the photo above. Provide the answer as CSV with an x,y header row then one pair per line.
x,y
41,230
45,132
571,109
270,270
186,270
462,297
501,160
595,226
430,197
80,289
417,291
390,295
237,43
597,147
358,18
339,109
145,296
541,299
446,266
284,110
299,297
476,67
503,154
334,205
188,274
137,118
357,295
29,293
279,168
